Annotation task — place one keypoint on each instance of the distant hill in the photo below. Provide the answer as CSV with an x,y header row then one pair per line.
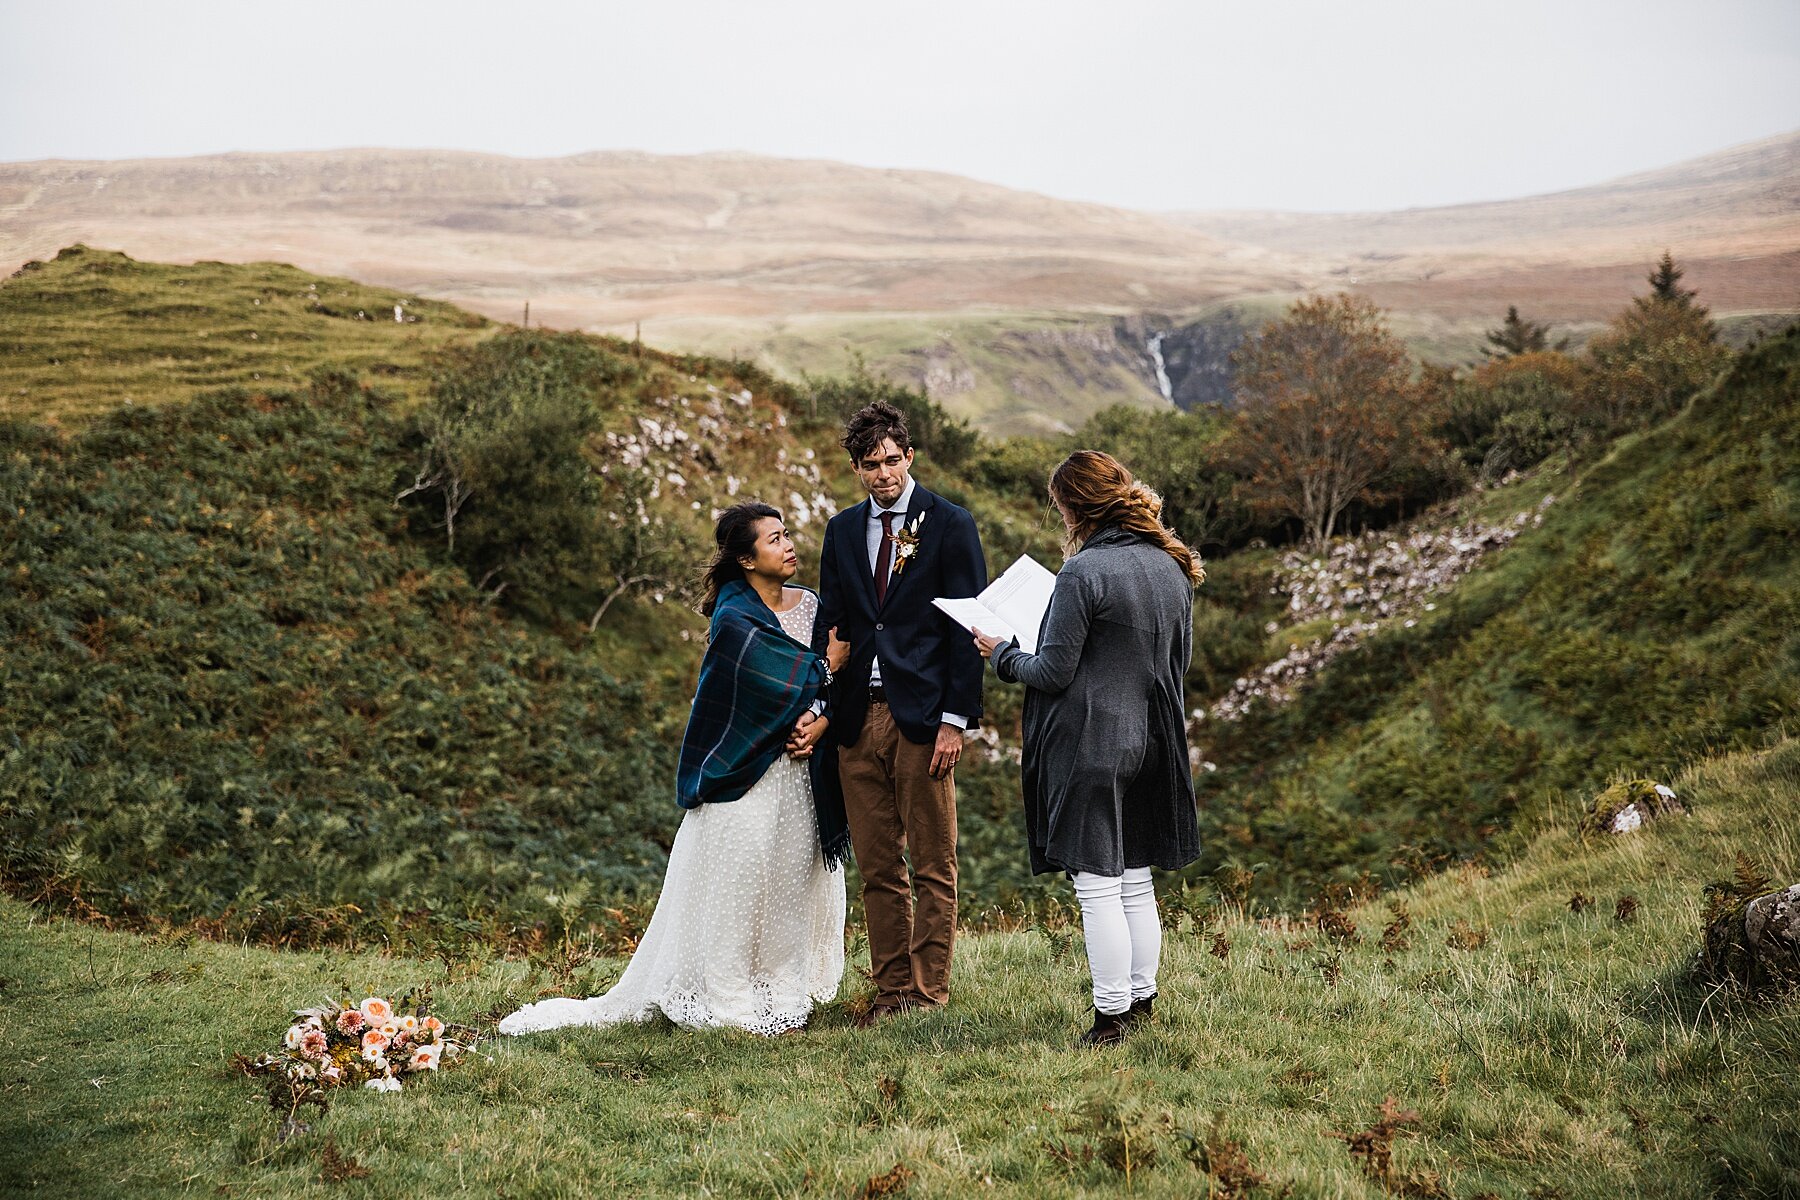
x,y
1733,218
1025,312
616,237
1738,199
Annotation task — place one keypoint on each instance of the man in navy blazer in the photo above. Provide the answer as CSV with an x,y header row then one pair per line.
x,y
900,706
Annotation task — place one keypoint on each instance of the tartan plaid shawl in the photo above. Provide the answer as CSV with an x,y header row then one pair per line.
x,y
755,681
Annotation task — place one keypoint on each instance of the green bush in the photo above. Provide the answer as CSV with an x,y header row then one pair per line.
x,y
1513,413
504,463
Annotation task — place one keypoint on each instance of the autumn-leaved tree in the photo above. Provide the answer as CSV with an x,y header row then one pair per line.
x,y
1328,413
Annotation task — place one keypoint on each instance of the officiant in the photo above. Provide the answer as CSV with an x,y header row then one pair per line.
x,y
1107,785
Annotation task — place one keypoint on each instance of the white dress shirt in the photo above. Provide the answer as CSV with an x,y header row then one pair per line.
x,y
873,542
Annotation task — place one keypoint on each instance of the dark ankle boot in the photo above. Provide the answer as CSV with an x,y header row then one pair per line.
x,y
1109,1029
1140,1011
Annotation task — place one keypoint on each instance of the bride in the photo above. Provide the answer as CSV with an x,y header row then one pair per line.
x,y
749,929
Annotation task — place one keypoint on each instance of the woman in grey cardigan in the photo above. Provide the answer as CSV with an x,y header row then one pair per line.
x,y
1108,788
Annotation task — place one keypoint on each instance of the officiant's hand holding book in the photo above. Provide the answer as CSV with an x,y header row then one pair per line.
x,y
1011,608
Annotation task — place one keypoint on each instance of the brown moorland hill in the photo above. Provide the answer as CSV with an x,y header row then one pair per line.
x,y
610,237
1732,218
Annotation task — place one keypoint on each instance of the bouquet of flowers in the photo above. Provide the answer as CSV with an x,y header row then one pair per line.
x,y
374,1043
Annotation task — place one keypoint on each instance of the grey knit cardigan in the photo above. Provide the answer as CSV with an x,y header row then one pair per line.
x,y
1106,778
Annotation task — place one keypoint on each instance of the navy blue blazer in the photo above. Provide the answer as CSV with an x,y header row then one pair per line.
x,y
929,665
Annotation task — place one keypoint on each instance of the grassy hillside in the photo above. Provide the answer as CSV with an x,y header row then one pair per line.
x,y
1546,1053
92,329
229,644
230,649
272,738
1652,619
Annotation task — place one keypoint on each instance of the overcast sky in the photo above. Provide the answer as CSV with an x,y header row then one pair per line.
x,y
1294,104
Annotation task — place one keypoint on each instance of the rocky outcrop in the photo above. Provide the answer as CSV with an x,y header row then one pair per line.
x,y
1753,944
1197,357
1362,584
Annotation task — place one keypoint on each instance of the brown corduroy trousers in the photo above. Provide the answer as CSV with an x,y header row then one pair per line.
x,y
897,810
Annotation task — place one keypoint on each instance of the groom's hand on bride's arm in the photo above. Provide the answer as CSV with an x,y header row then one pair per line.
x,y
837,652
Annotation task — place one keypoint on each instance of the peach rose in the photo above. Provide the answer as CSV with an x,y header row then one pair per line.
x,y
426,1058
434,1027
377,1011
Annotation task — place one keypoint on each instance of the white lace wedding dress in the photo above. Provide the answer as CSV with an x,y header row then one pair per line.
x,y
749,929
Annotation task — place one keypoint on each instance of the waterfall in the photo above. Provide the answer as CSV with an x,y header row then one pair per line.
x,y
1162,372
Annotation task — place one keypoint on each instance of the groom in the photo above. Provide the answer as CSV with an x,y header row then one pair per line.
x,y
900,705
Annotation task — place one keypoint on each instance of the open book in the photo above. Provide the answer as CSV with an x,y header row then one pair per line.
x,y
1012,606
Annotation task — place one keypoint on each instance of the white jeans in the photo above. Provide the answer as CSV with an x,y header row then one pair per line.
x,y
1124,936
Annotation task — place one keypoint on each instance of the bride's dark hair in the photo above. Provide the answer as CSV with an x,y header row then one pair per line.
x,y
735,536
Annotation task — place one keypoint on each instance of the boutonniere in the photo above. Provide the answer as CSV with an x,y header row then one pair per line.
x,y
906,544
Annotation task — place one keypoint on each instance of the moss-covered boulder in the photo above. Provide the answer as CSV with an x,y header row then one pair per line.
x,y
1752,938
1630,804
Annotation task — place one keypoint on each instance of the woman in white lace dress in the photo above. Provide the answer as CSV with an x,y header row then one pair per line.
x,y
749,929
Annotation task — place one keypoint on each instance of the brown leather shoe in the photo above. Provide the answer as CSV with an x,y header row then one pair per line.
x,y
881,1010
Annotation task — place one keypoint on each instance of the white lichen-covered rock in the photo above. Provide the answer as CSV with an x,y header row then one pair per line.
x,y
1629,804
1629,818
1772,932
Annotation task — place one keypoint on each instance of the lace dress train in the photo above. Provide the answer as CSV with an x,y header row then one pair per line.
x,y
749,930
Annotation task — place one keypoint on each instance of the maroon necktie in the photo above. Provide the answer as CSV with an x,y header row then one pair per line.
x,y
883,558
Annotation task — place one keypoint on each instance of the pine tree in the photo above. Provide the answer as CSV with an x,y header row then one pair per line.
x,y
1665,287
1518,336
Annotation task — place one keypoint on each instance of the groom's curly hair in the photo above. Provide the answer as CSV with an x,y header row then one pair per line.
x,y
872,424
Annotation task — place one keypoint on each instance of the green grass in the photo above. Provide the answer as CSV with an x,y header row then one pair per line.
x,y
1566,1056
248,697
93,329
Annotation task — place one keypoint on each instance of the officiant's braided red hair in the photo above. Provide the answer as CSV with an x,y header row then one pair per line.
x,y
1096,490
